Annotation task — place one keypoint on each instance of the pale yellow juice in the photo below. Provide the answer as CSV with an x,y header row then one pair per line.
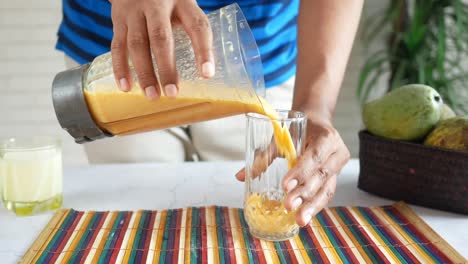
x,y
31,180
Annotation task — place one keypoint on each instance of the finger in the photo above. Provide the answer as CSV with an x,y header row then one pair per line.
x,y
314,182
310,208
162,44
139,49
197,26
262,159
120,57
240,175
318,150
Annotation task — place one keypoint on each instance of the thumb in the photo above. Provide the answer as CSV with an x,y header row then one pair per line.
x,y
240,175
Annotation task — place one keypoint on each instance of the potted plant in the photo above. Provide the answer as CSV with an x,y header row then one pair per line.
x,y
427,43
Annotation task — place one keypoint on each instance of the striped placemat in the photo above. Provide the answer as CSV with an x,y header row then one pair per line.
x,y
385,234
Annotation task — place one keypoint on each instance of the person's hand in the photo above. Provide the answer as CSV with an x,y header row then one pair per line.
x,y
311,183
145,25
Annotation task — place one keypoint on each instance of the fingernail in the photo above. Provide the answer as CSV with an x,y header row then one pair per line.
x,y
124,86
240,175
296,203
171,90
291,185
208,69
151,92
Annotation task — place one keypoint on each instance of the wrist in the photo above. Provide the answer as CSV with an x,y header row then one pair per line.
x,y
319,119
316,98
315,112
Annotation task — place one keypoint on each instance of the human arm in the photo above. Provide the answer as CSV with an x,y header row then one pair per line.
x,y
326,31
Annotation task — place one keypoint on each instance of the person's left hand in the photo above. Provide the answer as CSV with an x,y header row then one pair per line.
x,y
310,184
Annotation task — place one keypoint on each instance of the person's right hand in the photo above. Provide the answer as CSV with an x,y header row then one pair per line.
x,y
145,25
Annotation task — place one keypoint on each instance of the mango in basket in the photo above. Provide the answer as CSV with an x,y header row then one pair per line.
x,y
406,113
451,134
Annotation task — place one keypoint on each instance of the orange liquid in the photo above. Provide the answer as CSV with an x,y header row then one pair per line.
x,y
127,113
122,114
269,217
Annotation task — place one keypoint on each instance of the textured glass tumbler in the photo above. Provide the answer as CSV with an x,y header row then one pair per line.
x,y
31,173
266,167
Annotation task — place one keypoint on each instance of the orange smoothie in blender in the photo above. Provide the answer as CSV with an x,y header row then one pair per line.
x,y
122,113
126,113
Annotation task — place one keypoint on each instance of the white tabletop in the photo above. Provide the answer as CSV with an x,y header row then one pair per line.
x,y
162,186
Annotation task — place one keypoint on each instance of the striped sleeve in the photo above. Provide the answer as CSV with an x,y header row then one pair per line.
x,y
86,31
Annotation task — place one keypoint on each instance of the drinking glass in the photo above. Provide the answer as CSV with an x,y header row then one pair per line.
x,y
31,173
266,166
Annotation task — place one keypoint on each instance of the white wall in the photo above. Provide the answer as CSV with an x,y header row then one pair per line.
x,y
347,117
28,62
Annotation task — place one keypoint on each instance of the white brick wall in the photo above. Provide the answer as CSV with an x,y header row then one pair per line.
x,y
28,62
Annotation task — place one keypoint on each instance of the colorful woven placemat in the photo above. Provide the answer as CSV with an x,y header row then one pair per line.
x,y
386,234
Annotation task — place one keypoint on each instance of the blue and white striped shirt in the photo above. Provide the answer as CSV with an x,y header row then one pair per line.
x,y
86,31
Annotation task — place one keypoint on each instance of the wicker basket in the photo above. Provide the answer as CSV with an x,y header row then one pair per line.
x,y
417,174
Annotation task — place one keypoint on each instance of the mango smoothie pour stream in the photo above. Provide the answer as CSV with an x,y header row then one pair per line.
x,y
126,113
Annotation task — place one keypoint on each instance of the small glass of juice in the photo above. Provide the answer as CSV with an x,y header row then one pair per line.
x,y
31,174
272,147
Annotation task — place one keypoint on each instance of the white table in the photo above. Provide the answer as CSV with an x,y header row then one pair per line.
x,y
161,186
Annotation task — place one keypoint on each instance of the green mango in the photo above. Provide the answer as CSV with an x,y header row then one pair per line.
x,y
406,113
451,133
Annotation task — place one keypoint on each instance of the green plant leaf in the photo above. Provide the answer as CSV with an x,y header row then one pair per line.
x,y
372,68
430,48
429,74
421,70
441,46
371,84
375,22
398,77
414,40
458,19
372,64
